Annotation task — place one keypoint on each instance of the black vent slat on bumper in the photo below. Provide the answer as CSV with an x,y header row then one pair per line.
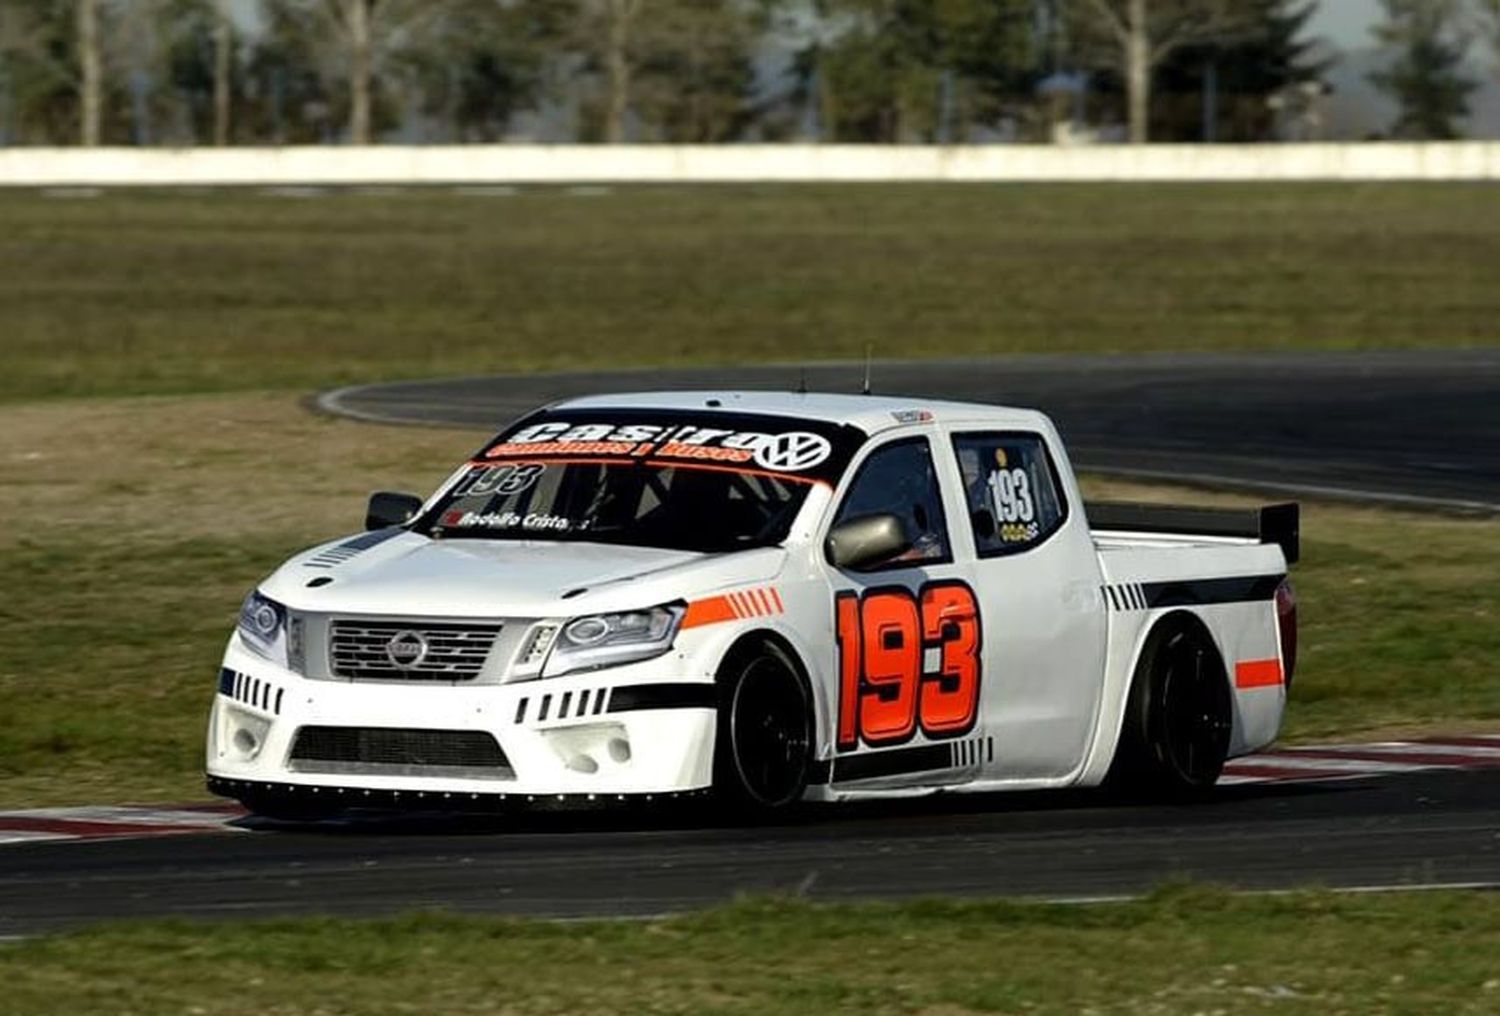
x,y
399,750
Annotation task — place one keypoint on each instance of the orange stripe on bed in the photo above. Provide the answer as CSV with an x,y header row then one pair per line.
x,y
1257,673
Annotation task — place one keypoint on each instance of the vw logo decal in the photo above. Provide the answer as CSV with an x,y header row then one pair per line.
x,y
406,650
793,451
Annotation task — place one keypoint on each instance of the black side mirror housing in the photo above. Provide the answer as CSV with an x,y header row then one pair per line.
x,y
866,541
389,508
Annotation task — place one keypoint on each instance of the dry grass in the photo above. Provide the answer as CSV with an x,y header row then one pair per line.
x,y
138,293
1185,950
134,527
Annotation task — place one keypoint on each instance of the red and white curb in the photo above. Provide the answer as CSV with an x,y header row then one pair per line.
x,y
1346,761
109,822
1284,765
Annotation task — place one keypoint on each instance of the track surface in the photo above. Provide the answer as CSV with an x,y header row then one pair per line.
x,y
1422,828
1416,428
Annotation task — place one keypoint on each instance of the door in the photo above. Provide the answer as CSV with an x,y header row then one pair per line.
x,y
908,639
1037,576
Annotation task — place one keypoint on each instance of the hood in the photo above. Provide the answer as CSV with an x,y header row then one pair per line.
x,y
406,574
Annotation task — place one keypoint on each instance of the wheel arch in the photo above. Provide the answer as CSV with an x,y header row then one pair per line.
x,y
1108,738
816,691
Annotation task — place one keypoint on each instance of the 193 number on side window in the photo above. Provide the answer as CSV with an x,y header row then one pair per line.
x,y
886,693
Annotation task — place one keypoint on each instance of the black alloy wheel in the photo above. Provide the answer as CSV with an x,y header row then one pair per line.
x,y
1194,707
1179,717
764,747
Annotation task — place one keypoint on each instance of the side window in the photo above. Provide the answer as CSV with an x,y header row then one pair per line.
x,y
1014,499
899,479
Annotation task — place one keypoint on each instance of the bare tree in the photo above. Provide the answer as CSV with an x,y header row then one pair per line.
x,y
354,40
90,73
1137,35
223,70
619,19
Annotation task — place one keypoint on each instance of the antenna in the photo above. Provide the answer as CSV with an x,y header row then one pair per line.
x,y
866,389
802,381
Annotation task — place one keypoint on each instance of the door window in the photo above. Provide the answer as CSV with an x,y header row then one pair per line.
x,y
1010,484
899,479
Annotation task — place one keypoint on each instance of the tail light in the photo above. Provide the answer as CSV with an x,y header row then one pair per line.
x,y
1286,624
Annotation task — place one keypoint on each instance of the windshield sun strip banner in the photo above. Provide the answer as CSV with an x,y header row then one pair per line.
x,y
569,460
785,447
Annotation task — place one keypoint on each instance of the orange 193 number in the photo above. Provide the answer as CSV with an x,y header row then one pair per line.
x,y
884,692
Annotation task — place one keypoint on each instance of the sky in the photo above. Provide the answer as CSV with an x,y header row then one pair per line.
x,y
1356,109
1345,23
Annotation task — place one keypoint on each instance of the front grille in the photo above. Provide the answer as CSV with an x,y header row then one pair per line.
x,y
399,750
454,651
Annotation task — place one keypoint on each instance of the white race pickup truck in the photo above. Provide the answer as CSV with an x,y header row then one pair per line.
x,y
768,597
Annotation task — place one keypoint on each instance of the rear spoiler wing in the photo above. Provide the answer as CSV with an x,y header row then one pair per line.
x,y
1275,523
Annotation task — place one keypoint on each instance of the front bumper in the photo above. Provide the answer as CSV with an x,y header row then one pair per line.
x,y
634,731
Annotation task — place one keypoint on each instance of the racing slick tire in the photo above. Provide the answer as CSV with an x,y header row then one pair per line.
x,y
763,743
1179,718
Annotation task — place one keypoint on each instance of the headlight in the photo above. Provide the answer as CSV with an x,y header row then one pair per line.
x,y
272,631
607,640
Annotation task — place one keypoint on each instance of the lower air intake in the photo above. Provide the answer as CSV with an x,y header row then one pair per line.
x,y
389,751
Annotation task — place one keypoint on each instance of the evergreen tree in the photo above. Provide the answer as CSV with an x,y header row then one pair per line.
x,y
1269,54
670,70
901,70
695,78
1428,43
478,63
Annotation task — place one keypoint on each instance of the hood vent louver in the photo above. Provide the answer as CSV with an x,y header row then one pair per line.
x,y
341,552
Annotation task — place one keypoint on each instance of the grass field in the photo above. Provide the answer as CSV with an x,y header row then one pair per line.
x,y
1185,950
131,294
134,527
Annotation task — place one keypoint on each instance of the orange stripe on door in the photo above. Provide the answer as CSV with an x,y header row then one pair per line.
x,y
1257,673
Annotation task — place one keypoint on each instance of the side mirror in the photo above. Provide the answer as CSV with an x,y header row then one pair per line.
x,y
388,508
866,541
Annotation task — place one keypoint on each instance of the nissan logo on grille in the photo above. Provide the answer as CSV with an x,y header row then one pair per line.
x,y
406,650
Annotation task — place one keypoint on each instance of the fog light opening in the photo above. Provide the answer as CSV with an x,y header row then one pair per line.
x,y
583,764
246,742
619,750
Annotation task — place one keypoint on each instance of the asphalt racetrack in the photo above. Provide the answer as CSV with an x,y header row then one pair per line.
x,y
1420,429
1405,830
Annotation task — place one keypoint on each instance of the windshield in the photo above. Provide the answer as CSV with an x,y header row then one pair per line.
x,y
662,479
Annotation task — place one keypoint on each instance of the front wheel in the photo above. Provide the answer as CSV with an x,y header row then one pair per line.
x,y
1179,717
763,748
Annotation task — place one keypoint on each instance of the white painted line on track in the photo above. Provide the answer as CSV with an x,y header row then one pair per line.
x,y
1324,762
1396,749
1341,890
19,836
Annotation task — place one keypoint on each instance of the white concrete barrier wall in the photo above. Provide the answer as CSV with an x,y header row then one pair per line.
x,y
515,164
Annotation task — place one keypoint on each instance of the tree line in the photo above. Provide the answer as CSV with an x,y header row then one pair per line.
x,y
703,71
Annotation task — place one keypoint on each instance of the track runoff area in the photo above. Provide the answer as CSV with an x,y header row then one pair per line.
x,y
1400,814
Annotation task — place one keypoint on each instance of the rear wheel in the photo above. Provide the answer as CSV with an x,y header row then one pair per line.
x,y
763,749
1179,718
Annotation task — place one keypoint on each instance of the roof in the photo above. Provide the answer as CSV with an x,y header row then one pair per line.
x,y
870,413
